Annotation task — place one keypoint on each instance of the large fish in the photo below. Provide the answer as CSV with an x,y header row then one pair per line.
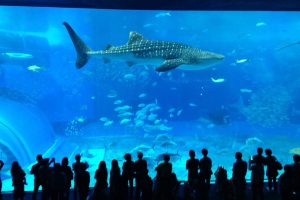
x,y
167,55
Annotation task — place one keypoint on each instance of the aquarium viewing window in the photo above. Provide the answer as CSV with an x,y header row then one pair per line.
x,y
102,83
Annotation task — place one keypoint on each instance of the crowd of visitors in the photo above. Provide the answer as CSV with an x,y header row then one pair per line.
x,y
55,178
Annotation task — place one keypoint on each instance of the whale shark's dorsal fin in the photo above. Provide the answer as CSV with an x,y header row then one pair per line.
x,y
134,37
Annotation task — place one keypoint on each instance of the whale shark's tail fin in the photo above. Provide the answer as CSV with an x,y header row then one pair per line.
x,y
80,46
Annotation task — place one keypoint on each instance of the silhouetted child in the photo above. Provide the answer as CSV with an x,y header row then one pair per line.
x,y
192,165
163,177
140,168
100,188
286,183
115,181
256,165
128,175
1,166
239,172
205,165
83,178
58,183
18,180
35,171
66,169
223,185
272,171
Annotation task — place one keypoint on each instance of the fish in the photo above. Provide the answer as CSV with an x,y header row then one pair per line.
x,y
245,90
122,108
125,114
173,156
168,144
117,102
218,80
125,121
139,123
141,105
112,94
193,105
108,123
15,55
103,119
260,24
253,141
129,76
288,45
81,119
142,95
34,68
138,50
152,117
241,60
163,14
179,112
142,148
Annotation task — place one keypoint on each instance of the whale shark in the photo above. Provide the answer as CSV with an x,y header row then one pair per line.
x,y
139,50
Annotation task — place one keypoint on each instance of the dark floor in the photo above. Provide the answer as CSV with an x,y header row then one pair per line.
x,y
268,195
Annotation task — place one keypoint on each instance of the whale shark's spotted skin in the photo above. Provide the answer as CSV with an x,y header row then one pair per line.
x,y
170,55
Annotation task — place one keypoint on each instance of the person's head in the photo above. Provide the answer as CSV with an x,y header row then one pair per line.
x,y
102,165
140,155
83,166
77,157
192,153
166,157
204,152
260,151
57,167
127,157
114,163
296,158
238,155
65,161
268,152
39,158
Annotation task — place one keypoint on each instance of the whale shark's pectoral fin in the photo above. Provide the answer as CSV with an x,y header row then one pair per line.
x,y
170,64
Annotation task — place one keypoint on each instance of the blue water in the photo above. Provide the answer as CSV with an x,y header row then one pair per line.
x,y
254,103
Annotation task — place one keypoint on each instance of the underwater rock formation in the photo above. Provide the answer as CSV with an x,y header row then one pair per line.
x,y
269,107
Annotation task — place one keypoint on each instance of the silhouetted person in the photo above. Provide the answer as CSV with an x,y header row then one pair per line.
x,y
18,180
35,172
76,168
128,175
272,173
239,172
286,183
223,185
83,178
163,178
296,175
192,165
66,169
44,177
100,188
147,188
115,181
1,166
256,165
58,182
205,165
140,168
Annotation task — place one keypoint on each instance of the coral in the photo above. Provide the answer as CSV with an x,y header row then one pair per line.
x,y
269,107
